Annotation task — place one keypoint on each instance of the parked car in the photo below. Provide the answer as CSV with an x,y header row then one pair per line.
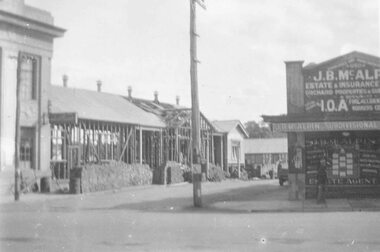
x,y
282,173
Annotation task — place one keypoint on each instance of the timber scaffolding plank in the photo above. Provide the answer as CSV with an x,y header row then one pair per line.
x,y
98,141
106,141
125,145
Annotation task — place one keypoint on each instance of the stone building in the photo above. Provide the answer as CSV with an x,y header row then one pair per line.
x,y
26,49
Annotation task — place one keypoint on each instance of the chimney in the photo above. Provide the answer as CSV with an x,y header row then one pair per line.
x,y
177,100
129,92
65,78
99,84
156,97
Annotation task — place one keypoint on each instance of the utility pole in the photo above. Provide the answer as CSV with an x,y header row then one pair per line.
x,y
195,114
17,134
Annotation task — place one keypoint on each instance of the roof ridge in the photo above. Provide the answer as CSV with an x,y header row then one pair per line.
x,y
86,90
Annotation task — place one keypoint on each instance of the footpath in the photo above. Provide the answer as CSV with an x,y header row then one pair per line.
x,y
261,196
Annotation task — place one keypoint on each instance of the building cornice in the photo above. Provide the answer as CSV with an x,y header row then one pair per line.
x,y
29,24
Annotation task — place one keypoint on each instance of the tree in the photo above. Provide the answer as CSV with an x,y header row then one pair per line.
x,y
260,130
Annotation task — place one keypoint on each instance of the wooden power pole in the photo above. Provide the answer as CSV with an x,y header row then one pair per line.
x,y
17,133
195,114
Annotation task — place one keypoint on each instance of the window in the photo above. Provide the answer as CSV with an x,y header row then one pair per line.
x,y
259,158
26,150
28,77
235,151
57,140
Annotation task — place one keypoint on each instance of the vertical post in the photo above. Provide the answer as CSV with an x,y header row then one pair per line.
x,y
17,134
162,148
207,154
140,145
238,161
212,149
177,148
221,153
195,116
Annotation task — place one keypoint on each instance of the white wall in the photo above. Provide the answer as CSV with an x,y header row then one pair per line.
x,y
8,105
12,42
235,135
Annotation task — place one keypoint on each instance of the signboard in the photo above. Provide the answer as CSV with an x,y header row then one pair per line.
x,y
325,126
63,118
369,163
350,160
351,86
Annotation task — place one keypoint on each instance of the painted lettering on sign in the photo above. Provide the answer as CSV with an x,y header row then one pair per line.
x,y
325,126
347,181
350,87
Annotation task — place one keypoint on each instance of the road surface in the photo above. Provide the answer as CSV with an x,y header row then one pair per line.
x,y
161,218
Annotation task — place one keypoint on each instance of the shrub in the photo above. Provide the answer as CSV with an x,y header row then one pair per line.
x,y
251,172
243,173
188,174
215,173
227,174
99,177
234,172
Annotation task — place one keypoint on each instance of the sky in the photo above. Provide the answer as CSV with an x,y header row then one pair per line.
x,y
242,47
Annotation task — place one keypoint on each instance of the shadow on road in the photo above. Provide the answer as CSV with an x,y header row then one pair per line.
x,y
185,204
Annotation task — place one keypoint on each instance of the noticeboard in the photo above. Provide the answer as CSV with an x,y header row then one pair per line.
x,y
348,87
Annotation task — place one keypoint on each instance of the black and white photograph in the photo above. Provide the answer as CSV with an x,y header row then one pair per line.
x,y
189,125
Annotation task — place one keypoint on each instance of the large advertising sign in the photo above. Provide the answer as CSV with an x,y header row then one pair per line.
x,y
347,87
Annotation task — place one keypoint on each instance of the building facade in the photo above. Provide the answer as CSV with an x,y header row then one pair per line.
x,y
233,135
263,155
26,48
333,114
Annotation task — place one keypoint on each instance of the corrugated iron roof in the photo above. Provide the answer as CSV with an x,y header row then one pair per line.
x,y
92,105
265,145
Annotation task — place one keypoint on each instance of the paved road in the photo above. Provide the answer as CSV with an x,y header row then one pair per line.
x,y
160,218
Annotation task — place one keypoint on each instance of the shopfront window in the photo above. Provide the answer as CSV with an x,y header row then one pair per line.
x,y
352,157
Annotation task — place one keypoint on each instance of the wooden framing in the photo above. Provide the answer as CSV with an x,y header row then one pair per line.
x,y
100,141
